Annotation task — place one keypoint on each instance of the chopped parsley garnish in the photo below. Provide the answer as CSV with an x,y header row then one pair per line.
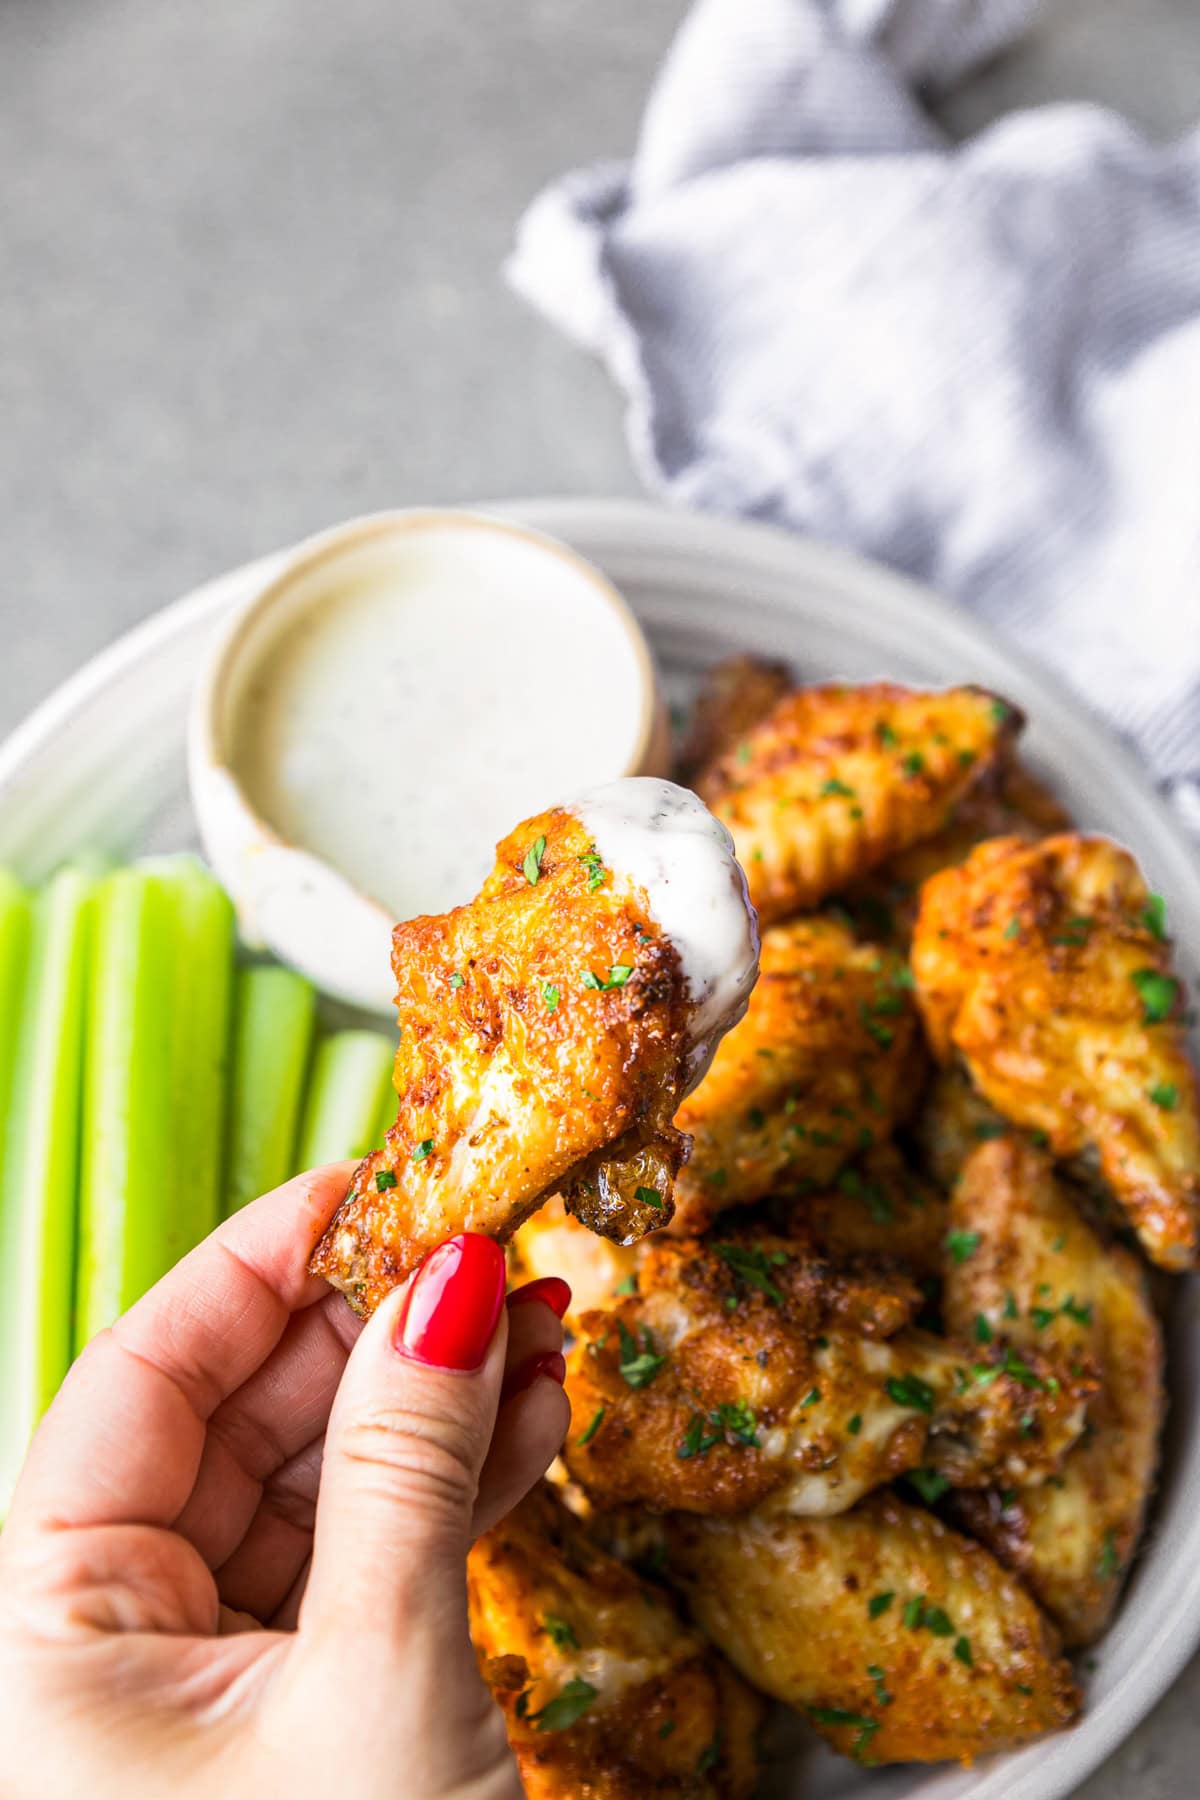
x,y
707,1758
618,975
752,1268
854,1424
1012,929
456,980
561,1634
1108,1563
1010,1306
422,1150
1164,1094
744,753
833,788
532,866
567,1707
1045,1315
667,1727
966,758
883,1035
593,1428
837,1715
962,1245
1154,917
1000,711
384,1179
627,1285
878,1604
887,737
649,1197
876,1201
879,1677
983,1330
733,1422
639,1364
594,867
987,1129
928,1483
910,1390
550,997
918,1616
962,1649
1157,993
1011,1364
913,763
811,1398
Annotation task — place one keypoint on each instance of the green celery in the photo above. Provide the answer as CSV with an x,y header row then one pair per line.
x,y
132,1227
351,1078
274,1012
15,923
40,1177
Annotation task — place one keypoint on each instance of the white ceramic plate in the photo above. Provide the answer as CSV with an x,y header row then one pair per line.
x,y
102,764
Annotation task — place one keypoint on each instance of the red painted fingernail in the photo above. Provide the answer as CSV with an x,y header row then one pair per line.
x,y
551,1290
546,1362
453,1304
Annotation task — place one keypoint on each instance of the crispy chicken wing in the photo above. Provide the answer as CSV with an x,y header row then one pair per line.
x,y
749,1372
900,1640
835,780
548,1032
1039,1276
951,1121
1009,801
606,1694
878,1208
735,695
1046,968
826,1060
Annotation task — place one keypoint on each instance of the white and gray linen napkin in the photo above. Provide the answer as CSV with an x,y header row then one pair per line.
x,y
978,362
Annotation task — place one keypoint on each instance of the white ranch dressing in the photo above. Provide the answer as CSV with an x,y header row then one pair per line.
x,y
664,840
426,691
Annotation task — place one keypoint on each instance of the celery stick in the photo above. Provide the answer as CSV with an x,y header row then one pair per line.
x,y
39,1182
352,1074
15,919
201,1006
131,1229
274,1011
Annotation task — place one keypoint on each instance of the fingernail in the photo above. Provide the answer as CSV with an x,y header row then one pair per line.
x,y
546,1362
453,1304
551,1290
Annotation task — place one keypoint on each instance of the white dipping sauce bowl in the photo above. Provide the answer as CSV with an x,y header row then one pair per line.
x,y
402,694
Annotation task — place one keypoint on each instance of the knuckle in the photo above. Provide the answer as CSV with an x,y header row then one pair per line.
x,y
410,1455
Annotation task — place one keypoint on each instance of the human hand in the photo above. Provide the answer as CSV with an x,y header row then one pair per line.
x,y
181,1613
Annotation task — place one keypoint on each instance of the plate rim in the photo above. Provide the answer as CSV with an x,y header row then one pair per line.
x,y
1172,1635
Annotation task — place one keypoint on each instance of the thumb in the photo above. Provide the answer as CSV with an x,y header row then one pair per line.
x,y
406,1441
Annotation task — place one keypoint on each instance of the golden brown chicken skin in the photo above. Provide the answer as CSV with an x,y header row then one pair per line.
x,y
898,1639
1009,801
1046,968
837,779
827,1059
1038,1276
735,695
879,1208
750,1373
543,1046
606,1694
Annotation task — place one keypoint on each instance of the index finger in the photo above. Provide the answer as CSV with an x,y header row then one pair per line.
x,y
123,1440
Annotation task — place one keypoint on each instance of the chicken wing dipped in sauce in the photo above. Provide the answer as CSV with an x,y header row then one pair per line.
x,y
1037,1276
1047,969
606,1693
826,1061
837,779
898,1639
751,1373
549,1031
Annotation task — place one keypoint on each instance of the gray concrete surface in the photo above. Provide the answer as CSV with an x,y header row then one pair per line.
x,y
249,257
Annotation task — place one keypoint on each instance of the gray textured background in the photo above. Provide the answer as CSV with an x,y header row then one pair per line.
x,y
249,285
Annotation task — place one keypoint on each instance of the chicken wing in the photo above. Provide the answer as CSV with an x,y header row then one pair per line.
x,y
735,695
1037,1275
952,1120
826,1060
1009,801
606,1694
877,1208
749,1372
1046,968
548,1032
899,1640
835,780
